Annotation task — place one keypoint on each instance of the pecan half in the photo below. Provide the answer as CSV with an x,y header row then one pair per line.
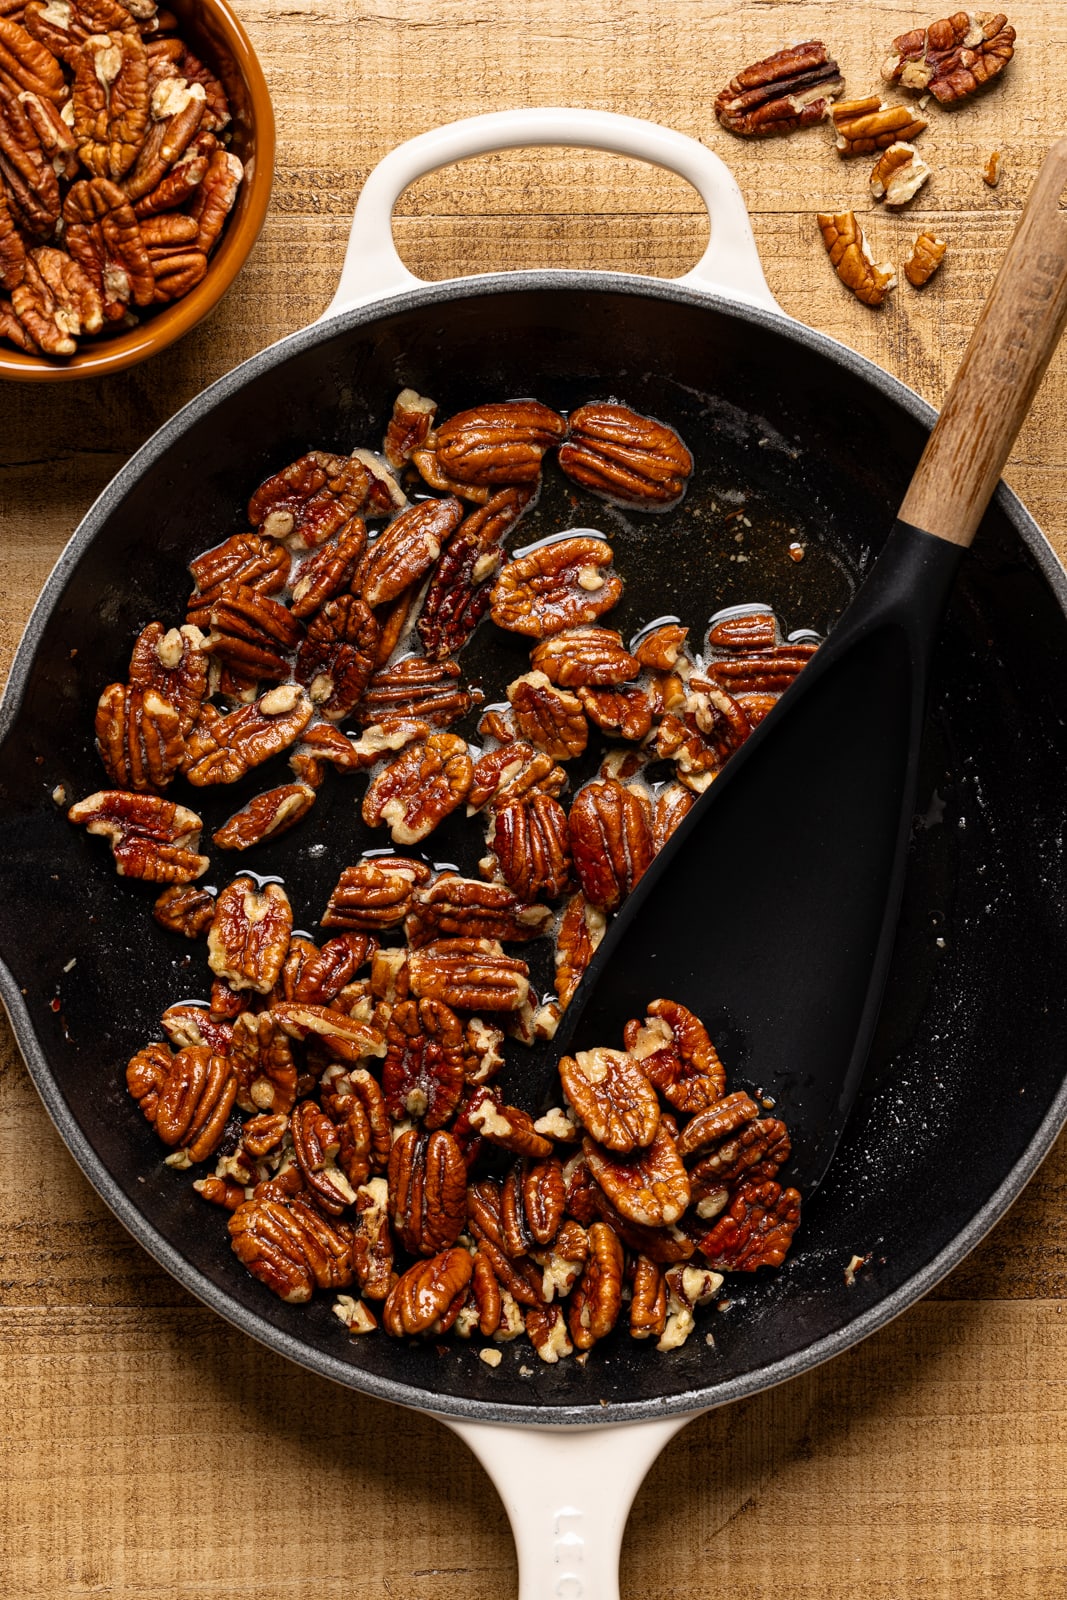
x,y
372,1244
756,1230
864,126
185,910
499,443
355,1102
336,659
420,788
648,1301
408,426
556,586
764,672
425,1057
462,584
625,713
253,633
173,662
851,258
249,937
55,301
427,1191
584,657
791,89
325,973
611,841
898,174
927,254
221,749
12,248
469,975
329,570
405,551
613,1098
673,803
376,893
266,816
139,737
290,1247
675,1054
150,837
348,1038
530,841
311,499
661,648
110,101
951,58
177,110
189,1106
429,1296
514,772
454,907
28,63
192,1024
581,928
316,1143
104,236
756,1150
247,560
550,719
532,1202
717,1122
215,196
650,1188
618,453
746,629
325,745
596,1301
415,687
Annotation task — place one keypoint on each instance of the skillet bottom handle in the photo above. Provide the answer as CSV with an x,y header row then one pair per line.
x,y
568,1493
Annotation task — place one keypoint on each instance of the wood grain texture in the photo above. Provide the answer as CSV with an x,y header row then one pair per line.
x,y
151,1453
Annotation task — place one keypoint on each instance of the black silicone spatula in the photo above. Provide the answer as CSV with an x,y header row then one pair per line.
x,y
771,912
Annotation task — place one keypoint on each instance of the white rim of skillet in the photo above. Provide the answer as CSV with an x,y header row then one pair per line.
x,y
170,1258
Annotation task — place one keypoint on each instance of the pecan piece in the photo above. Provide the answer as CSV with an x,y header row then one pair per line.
x,y
222,749
687,1287
290,1247
507,1126
498,443
755,1151
328,570
185,910
409,426
324,973
671,805
468,975
648,1302
623,713
546,1327
717,1122
864,126
556,586
513,773
316,1143
425,1056
756,1231
530,841
417,688
190,1105
626,457
660,646
584,657
651,1187
376,893
462,584
404,552
420,788
581,928
173,662
926,256
951,58
454,907
324,745
110,101
253,633
311,499
851,258
428,1298
613,1098
249,937
348,1038
336,659
150,837
550,719
354,1100
266,816
595,1303
675,1054
138,736
484,1057
104,236
192,1024
611,841
247,560
427,1191
372,1244
898,174
791,89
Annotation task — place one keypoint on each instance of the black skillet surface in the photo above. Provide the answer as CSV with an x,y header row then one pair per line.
x,y
796,440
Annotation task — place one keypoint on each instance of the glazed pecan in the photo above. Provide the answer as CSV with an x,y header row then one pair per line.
x,y
336,658
550,719
419,788
951,58
671,804
329,570
355,1102
173,662
581,928
266,816
291,1247
764,672
555,586
429,1296
485,1306
648,1302
325,745
138,736
221,1191
462,584
190,1023
427,1191
717,1122
613,1098
756,1230
507,1126
415,687
433,473
311,499
927,254
185,910
530,841
324,973
372,1244
376,893
55,302
469,975
253,633
214,197
585,657
651,1187
660,647
249,937
791,89
898,174
484,1056
755,1151
408,426
104,236
498,443
511,774
532,1201
405,551
189,1105
454,907
624,713
618,453
596,1301
864,126
851,258
348,1038
150,838
743,628
687,1286
425,1056
316,1143
247,560
611,841
675,1054
222,749
110,101
546,1327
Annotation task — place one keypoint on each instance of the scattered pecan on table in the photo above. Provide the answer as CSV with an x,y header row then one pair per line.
x,y
339,1099
851,258
952,58
793,88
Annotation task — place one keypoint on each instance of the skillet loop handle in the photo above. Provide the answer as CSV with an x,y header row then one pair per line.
x,y
568,1493
729,266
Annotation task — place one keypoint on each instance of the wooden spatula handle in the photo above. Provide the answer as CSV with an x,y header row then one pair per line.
x,y
1017,331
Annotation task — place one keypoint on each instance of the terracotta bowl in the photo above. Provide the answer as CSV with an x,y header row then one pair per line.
x,y
214,34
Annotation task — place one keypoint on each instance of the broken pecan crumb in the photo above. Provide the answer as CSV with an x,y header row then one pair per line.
x,y
926,256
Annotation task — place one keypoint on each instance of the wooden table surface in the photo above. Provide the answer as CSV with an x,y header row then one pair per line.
x,y
150,1452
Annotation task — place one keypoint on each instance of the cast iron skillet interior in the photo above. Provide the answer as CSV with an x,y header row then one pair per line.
x,y
796,441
